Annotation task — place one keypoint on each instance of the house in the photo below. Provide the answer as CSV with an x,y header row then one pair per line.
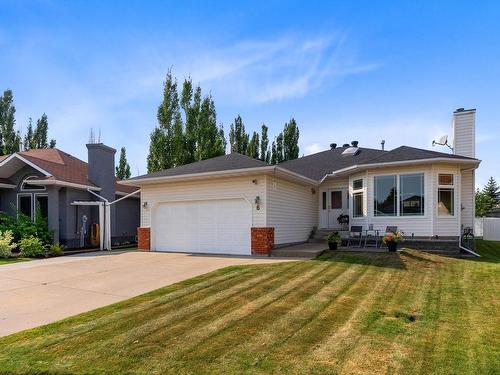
x,y
233,204
64,188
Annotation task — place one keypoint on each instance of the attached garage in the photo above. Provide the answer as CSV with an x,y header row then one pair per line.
x,y
217,226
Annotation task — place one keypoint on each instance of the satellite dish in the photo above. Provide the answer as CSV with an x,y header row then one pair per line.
x,y
443,141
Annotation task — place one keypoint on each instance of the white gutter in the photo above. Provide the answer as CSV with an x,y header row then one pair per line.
x,y
399,163
64,183
469,251
7,186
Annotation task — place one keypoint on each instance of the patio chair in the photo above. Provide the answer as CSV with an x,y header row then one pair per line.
x,y
372,238
355,235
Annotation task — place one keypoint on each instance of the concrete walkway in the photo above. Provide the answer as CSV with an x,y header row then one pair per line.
x,y
43,291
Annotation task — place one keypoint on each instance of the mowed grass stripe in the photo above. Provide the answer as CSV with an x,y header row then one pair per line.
x,y
225,319
337,324
292,319
384,330
167,317
301,334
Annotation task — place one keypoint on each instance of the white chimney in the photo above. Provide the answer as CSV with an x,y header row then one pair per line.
x,y
464,132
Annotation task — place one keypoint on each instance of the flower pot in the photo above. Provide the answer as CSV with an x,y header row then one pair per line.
x,y
392,246
332,245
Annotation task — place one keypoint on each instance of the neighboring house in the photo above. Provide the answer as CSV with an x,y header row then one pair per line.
x,y
60,184
233,204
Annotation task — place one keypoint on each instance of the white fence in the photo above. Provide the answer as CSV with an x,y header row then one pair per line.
x,y
487,227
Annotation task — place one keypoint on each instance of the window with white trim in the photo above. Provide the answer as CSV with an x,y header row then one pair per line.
x,y
398,195
446,194
357,198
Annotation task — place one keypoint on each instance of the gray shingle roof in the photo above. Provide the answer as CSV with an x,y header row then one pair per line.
x,y
219,163
406,153
316,166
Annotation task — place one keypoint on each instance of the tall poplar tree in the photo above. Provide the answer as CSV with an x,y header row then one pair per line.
x,y
28,138
253,146
279,148
238,138
264,145
160,148
40,134
9,139
123,168
291,140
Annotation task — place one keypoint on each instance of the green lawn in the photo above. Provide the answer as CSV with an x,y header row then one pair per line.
x,y
405,313
13,260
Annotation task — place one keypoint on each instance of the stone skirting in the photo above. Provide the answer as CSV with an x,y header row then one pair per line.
x,y
144,239
262,240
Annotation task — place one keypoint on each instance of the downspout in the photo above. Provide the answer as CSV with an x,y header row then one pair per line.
x,y
469,251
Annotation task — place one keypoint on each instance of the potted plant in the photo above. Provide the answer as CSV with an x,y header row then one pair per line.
x,y
392,240
333,240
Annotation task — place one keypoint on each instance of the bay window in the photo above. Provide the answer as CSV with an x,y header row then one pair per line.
x,y
446,195
398,195
357,198
411,196
385,191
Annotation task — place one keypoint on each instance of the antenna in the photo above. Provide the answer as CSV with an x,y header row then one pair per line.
x,y
443,141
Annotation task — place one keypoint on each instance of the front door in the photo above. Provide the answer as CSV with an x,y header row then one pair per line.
x,y
333,204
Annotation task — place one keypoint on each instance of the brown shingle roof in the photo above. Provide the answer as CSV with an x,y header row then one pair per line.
x,y
64,167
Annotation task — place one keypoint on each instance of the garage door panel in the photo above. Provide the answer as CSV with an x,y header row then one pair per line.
x,y
211,226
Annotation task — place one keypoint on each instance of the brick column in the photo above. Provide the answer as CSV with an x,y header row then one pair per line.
x,y
262,240
144,239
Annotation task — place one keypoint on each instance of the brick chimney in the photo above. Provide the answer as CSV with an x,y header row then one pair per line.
x,y
101,168
464,132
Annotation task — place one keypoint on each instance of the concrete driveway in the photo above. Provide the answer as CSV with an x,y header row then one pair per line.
x,y
43,291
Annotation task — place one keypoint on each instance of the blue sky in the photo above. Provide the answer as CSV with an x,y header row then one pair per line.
x,y
346,71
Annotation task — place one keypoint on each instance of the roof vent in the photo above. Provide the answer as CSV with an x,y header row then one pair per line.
x,y
333,146
354,143
346,145
351,151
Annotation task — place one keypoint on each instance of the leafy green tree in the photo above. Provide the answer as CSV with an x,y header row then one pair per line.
x,y
264,145
253,146
209,142
52,143
123,169
291,140
9,138
238,138
28,138
40,134
191,104
160,148
274,157
279,148
492,190
484,203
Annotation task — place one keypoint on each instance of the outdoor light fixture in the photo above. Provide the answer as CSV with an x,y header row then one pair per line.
x,y
257,202
145,204
254,182
313,191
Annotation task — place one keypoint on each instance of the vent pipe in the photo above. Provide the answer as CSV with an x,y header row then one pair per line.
x,y
333,146
354,143
346,145
383,144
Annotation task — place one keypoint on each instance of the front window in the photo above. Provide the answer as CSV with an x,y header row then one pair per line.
x,y
26,185
357,198
25,205
42,205
385,191
411,196
446,195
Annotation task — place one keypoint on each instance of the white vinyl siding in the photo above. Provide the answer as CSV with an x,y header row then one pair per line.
x,y
292,210
464,139
467,199
199,190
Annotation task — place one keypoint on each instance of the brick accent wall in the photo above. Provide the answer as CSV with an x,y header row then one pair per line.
x,y
262,240
144,239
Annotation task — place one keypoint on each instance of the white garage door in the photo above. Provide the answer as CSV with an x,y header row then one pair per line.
x,y
211,226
